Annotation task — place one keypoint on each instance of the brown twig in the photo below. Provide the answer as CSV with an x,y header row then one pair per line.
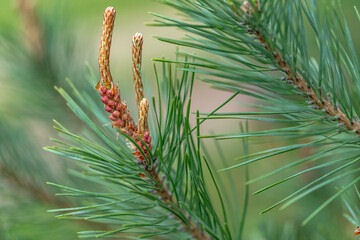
x,y
297,80
124,123
42,195
167,199
35,191
33,32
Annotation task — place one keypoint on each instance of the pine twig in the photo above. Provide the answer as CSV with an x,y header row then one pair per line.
x,y
43,196
296,79
35,191
124,123
33,32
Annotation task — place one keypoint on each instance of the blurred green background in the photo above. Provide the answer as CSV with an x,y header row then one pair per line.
x,y
44,42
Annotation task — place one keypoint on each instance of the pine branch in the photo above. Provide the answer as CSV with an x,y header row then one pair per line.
x,y
144,175
122,119
251,42
167,198
114,169
18,168
294,79
35,191
43,196
12,162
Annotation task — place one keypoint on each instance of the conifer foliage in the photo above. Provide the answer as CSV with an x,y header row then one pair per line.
x,y
149,198
263,47
151,178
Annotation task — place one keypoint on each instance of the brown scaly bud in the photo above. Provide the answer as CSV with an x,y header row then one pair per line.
x,y
247,7
357,231
136,47
143,138
105,44
143,147
143,115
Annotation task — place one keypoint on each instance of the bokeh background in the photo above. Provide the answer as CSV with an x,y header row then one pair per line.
x,y
42,43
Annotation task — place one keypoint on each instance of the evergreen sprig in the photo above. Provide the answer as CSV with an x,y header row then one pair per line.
x,y
156,190
157,187
260,49
128,200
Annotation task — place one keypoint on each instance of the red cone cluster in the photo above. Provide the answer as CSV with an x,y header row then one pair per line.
x,y
119,113
122,120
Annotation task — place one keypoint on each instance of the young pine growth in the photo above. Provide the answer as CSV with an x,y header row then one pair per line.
x,y
159,190
120,115
136,47
122,120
